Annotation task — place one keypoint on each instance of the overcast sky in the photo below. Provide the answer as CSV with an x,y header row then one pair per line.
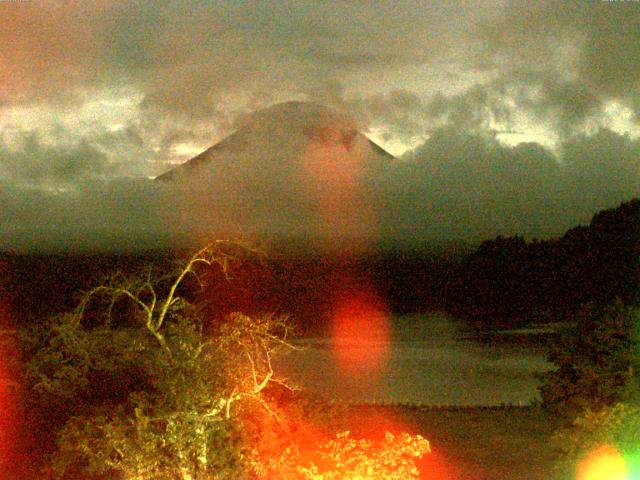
x,y
511,117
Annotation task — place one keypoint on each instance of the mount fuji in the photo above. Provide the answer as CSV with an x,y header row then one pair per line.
x,y
281,135
296,170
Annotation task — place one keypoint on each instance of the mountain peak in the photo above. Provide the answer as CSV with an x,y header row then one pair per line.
x,y
282,133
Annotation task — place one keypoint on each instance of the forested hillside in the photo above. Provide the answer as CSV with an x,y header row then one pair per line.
x,y
506,281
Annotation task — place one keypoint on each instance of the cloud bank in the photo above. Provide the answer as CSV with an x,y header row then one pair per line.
x,y
517,117
285,183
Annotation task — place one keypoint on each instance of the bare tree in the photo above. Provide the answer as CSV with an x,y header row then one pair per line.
x,y
172,385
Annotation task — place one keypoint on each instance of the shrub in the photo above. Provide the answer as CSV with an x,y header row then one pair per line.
x,y
392,458
153,395
596,362
613,429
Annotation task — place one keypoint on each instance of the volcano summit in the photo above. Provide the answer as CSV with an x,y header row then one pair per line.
x,y
293,170
283,134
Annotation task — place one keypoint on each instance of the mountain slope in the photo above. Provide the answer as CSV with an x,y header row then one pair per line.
x,y
295,170
283,133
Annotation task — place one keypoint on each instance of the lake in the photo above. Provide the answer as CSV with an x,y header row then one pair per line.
x,y
425,360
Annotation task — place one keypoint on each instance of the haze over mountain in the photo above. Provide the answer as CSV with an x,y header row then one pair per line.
x,y
506,117
268,141
300,171
295,170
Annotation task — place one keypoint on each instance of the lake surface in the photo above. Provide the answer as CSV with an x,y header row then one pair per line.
x,y
419,360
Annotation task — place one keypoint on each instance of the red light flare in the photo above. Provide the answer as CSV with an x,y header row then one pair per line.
x,y
335,163
360,333
360,337
10,407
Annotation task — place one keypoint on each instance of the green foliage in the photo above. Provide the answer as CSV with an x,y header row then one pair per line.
x,y
136,385
597,363
392,458
155,395
615,426
169,428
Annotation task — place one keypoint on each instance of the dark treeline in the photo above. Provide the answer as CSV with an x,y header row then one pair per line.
x,y
303,286
508,282
504,282
36,286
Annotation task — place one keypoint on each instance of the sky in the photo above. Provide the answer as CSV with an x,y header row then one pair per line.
x,y
507,117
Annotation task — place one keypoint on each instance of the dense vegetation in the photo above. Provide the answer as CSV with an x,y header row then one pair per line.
x,y
508,281
597,361
137,382
503,282
594,392
94,379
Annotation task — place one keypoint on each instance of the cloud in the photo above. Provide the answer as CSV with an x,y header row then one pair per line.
x,y
575,55
465,186
197,48
516,101
36,162
470,111
186,57
197,66
401,113
603,168
599,42
470,186
456,186
60,157
91,214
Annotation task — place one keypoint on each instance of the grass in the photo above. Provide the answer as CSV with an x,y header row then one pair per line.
x,y
510,443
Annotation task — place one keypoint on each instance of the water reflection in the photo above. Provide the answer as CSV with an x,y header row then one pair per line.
x,y
430,361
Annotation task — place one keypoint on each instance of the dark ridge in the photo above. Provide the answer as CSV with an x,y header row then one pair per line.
x,y
196,162
379,149
235,141
508,282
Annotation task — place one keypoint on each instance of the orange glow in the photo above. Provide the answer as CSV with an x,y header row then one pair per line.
x,y
436,466
375,422
9,401
318,445
360,333
603,463
335,168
